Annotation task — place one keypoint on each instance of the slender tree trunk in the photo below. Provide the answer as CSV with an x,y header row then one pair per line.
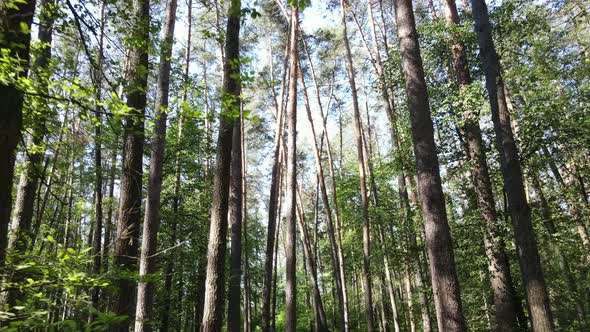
x,y
324,194
273,199
247,309
11,116
127,242
445,284
236,219
151,223
215,281
340,255
530,263
98,184
362,175
321,323
498,266
563,263
291,160
111,207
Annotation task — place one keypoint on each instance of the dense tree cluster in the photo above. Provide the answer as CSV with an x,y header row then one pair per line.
x,y
241,165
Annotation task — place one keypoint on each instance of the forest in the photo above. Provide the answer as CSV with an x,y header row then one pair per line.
x,y
296,165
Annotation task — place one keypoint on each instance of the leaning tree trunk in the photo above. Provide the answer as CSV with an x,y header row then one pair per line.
x,y
524,234
499,269
12,21
445,284
151,223
215,280
126,244
291,160
363,179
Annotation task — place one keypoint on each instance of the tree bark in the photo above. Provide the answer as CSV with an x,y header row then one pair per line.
x,y
291,196
499,269
151,223
216,252
445,284
126,246
11,116
22,236
98,181
236,219
530,263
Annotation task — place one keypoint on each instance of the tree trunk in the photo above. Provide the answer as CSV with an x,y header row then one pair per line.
x,y
236,219
563,263
11,116
273,199
363,180
498,266
291,196
216,252
340,255
126,246
321,323
247,309
22,236
530,263
151,223
445,284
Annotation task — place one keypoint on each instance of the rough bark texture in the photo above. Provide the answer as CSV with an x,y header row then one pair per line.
x,y
445,284
363,179
23,236
151,222
526,243
290,200
127,240
499,269
217,249
11,116
235,269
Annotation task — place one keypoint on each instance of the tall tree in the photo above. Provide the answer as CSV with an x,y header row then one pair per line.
x,y
98,181
499,269
22,236
236,219
127,239
291,195
15,28
231,90
439,244
367,283
151,223
524,235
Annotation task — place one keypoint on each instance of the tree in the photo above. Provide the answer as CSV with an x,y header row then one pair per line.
x,y
447,298
215,281
524,235
127,239
15,29
291,177
151,223
498,265
363,178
